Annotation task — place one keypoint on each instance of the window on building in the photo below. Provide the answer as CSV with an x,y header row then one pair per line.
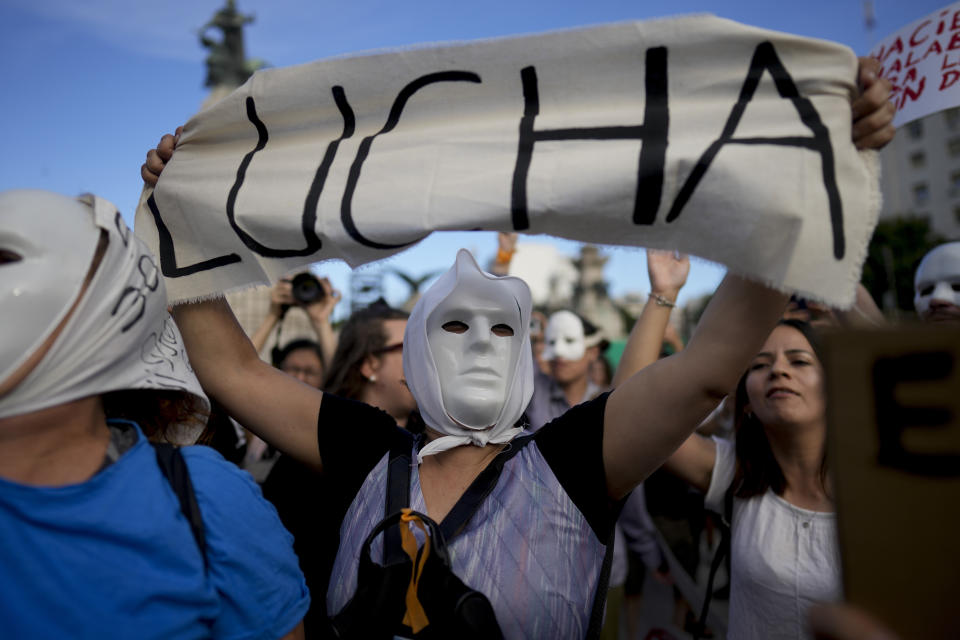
x,y
918,159
921,193
956,213
915,129
953,146
952,117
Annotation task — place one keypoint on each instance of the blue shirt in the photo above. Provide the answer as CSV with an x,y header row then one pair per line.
x,y
113,557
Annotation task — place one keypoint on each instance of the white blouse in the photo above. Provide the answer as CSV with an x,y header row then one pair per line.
x,y
783,559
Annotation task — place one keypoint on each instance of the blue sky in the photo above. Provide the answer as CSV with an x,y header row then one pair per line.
x,y
91,85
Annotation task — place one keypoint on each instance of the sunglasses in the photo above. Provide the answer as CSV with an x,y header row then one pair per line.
x,y
387,349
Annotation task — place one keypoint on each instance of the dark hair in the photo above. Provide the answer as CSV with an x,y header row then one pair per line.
x,y
361,336
158,411
757,468
607,369
591,330
279,355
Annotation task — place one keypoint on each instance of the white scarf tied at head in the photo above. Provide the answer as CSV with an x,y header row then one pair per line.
x,y
119,336
420,367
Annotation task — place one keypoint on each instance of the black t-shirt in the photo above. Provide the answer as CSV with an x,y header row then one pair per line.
x,y
353,437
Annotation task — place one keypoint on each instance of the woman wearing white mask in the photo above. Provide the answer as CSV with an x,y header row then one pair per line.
x,y
536,544
95,541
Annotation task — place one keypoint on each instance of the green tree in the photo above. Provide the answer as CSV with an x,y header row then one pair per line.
x,y
896,249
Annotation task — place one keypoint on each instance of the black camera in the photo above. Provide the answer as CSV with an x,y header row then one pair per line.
x,y
306,288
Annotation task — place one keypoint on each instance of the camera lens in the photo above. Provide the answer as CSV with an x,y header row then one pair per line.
x,y
306,289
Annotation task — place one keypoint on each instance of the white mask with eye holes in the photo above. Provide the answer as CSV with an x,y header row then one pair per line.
x,y
564,337
49,242
118,336
467,356
937,281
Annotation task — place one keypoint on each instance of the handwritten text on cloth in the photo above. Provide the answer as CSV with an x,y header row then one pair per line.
x,y
695,133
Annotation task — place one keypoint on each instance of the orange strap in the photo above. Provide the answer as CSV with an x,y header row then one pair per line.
x,y
415,617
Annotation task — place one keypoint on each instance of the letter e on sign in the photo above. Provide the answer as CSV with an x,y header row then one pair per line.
x,y
893,451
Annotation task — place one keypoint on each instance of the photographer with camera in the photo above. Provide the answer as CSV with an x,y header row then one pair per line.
x,y
304,359
317,298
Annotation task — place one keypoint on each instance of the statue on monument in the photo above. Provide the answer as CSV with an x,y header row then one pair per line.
x,y
227,64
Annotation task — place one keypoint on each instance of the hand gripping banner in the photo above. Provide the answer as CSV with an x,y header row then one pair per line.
x,y
695,133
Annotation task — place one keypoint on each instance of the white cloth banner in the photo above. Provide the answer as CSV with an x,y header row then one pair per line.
x,y
922,61
694,133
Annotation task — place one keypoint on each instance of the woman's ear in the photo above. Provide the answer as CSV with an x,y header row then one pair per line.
x,y
370,366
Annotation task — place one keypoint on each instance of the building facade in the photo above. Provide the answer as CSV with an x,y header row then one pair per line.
x,y
921,172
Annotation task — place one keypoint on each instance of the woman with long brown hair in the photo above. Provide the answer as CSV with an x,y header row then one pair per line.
x,y
784,553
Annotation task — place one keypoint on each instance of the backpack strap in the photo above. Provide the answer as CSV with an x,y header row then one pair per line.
x,y
398,493
174,469
600,595
479,489
726,524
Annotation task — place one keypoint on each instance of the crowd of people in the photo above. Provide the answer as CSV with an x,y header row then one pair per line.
x,y
512,459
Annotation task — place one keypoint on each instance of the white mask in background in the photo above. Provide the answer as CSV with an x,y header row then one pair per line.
x,y
119,336
564,337
55,239
938,278
472,386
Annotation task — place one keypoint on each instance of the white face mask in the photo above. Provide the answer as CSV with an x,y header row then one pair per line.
x,y
473,386
938,279
55,240
564,337
119,335
474,335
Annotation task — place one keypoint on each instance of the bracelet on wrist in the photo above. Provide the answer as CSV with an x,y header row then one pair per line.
x,y
504,257
661,301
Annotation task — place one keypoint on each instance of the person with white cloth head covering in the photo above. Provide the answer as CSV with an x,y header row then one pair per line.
x,y
468,363
94,542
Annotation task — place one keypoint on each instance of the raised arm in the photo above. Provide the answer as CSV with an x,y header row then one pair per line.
x,y
652,413
694,459
319,313
279,295
506,247
277,407
668,273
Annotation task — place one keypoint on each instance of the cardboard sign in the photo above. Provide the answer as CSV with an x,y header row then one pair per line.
x,y
894,443
922,61
699,134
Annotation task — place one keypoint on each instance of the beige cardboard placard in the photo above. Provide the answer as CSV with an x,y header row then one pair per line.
x,y
894,445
